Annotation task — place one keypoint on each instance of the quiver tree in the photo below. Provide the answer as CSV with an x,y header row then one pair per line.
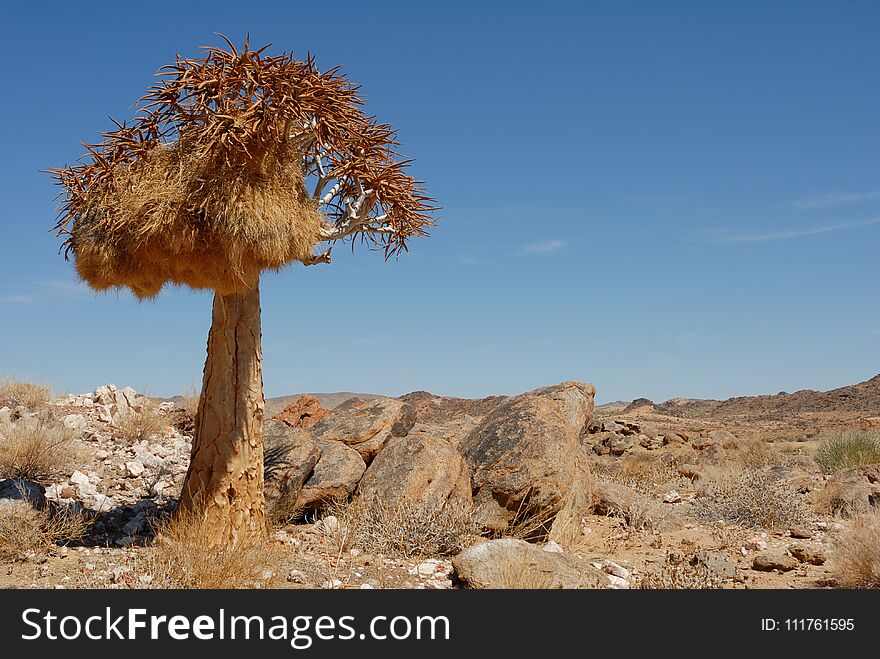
x,y
236,163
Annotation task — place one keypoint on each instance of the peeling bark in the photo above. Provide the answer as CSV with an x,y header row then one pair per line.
x,y
225,477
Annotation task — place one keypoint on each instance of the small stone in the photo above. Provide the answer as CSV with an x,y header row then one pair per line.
x,y
366,586
104,412
427,568
671,497
267,574
808,555
330,524
134,468
553,547
800,533
618,582
332,584
770,562
101,454
610,567
295,576
756,543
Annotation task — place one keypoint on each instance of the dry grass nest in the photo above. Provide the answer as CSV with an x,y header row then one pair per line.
x,y
183,215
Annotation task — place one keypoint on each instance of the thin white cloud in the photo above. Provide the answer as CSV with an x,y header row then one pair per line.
x,y
541,247
66,287
836,200
757,237
18,299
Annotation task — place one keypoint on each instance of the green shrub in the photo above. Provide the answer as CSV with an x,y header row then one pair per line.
x,y
848,448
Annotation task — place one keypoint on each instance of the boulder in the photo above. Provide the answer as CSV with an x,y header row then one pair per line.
x,y
366,425
289,457
304,412
850,492
423,470
19,489
453,431
335,476
511,563
806,554
526,455
770,562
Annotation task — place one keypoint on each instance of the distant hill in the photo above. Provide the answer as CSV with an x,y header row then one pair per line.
x,y
863,397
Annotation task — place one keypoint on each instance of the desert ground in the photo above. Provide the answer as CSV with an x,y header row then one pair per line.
x,y
540,490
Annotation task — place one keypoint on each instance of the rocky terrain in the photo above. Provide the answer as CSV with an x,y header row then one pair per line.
x,y
422,491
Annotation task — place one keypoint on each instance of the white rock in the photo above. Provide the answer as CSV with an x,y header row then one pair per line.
x,y
612,568
366,586
295,576
134,468
101,454
267,574
330,524
105,414
671,497
617,582
130,395
427,568
553,547
79,478
74,422
167,406
332,584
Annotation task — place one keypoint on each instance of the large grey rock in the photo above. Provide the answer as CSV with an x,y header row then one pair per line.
x,y
366,425
335,476
510,563
526,455
423,470
19,489
289,457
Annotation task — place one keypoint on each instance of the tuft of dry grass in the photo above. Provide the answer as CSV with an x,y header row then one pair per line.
x,y
846,449
407,529
677,573
24,529
181,557
190,400
750,453
29,394
751,499
137,426
35,450
856,559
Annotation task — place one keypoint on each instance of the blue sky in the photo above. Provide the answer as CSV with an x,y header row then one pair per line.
x,y
664,199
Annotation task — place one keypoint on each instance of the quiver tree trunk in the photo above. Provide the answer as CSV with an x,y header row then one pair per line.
x,y
225,477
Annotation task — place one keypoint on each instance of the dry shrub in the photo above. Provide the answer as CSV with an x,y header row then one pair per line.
x,y
678,573
645,472
569,530
138,426
190,400
750,453
846,449
182,557
35,450
24,529
856,559
751,499
24,393
406,529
